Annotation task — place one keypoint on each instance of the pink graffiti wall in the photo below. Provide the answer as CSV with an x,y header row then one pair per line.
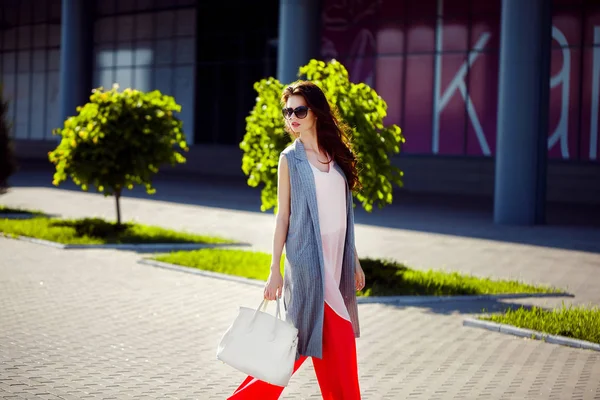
x,y
439,75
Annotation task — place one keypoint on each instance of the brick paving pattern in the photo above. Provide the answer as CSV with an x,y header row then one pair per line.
x,y
79,324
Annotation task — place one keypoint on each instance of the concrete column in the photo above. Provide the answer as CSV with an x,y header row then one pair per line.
x,y
76,54
523,104
299,36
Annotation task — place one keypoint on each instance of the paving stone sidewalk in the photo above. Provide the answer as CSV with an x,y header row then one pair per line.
x,y
80,324
95,324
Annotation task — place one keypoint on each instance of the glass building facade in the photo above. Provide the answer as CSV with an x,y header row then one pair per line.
x,y
435,62
148,45
204,55
29,68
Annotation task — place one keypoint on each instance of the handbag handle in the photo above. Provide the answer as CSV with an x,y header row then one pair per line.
x,y
263,307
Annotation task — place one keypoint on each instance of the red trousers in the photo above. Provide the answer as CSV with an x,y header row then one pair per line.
x,y
337,371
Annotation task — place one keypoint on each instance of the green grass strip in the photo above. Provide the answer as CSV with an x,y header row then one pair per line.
x,y
574,322
98,231
383,277
248,264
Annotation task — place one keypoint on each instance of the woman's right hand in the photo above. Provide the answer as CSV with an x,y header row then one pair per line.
x,y
274,285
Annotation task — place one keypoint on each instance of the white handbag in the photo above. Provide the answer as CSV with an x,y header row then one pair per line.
x,y
260,345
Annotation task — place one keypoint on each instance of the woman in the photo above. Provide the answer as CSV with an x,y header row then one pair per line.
x,y
315,221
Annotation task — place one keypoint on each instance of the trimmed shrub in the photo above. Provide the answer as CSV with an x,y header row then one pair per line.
x,y
119,140
359,106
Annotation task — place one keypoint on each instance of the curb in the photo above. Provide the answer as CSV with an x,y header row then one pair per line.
x,y
142,246
196,271
531,334
437,299
359,299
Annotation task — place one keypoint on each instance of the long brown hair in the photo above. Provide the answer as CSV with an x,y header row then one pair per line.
x,y
333,135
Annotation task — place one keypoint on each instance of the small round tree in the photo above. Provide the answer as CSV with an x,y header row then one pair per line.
x,y
8,163
359,106
119,140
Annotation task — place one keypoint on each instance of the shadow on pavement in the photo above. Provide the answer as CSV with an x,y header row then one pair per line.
x,y
571,227
467,307
166,249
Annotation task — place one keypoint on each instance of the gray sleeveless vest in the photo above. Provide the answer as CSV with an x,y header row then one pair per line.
x,y
304,286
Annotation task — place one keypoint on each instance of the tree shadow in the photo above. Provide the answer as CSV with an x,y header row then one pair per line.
x,y
93,227
125,233
193,246
21,213
467,307
27,215
390,278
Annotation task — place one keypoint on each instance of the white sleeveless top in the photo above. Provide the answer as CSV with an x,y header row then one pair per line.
x,y
331,201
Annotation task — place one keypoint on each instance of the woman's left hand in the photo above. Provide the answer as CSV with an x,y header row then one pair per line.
x,y
359,277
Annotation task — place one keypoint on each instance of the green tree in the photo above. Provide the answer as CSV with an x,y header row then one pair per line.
x,y
359,106
118,140
8,163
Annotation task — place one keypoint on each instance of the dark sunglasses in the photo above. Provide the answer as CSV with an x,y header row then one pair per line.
x,y
301,112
